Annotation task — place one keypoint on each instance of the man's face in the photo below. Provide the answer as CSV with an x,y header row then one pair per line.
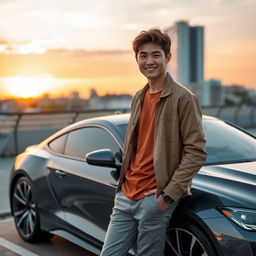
x,y
152,61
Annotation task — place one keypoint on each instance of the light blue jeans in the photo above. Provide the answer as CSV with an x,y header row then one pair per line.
x,y
139,224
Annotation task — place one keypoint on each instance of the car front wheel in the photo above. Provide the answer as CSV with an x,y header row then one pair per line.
x,y
188,240
25,211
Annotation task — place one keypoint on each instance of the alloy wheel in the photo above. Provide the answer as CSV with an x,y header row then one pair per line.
x,y
181,242
24,208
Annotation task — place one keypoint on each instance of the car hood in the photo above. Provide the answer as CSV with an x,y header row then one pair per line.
x,y
239,172
234,184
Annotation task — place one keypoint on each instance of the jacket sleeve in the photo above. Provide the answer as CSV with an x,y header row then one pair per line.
x,y
193,140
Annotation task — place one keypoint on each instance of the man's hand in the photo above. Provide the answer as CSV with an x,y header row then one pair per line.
x,y
160,201
150,192
162,204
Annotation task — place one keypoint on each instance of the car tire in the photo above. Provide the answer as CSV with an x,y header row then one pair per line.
x,y
188,239
25,212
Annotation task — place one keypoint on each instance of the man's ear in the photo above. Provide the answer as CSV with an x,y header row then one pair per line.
x,y
168,57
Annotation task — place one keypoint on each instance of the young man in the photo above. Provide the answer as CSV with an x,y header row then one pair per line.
x,y
163,151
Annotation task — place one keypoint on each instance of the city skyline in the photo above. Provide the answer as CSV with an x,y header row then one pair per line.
x,y
63,46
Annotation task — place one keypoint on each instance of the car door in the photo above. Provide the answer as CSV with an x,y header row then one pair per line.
x,y
85,192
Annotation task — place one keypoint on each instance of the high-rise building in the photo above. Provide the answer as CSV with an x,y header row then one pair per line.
x,y
187,65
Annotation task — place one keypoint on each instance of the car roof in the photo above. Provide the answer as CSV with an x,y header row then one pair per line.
x,y
117,119
110,121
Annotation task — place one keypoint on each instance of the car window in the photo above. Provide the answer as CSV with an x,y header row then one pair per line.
x,y
58,145
88,139
224,143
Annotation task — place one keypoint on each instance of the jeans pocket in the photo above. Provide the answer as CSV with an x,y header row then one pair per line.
x,y
154,203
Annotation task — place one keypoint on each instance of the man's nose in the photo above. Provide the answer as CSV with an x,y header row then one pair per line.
x,y
149,60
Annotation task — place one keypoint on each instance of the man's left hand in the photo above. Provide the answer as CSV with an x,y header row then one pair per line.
x,y
160,201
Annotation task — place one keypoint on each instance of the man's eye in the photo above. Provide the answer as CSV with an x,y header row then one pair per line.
x,y
143,56
156,55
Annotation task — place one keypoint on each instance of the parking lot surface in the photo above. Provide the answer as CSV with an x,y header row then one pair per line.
x,y
12,245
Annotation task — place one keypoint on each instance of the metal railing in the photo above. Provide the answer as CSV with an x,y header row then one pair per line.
x,y
19,130
241,115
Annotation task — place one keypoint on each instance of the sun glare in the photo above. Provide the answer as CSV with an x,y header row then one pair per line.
x,y
27,87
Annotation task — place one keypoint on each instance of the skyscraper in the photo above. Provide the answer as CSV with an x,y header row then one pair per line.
x,y
187,49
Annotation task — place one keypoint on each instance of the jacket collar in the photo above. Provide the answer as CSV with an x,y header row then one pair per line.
x,y
167,87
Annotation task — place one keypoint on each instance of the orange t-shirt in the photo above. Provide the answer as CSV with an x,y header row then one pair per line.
x,y
140,176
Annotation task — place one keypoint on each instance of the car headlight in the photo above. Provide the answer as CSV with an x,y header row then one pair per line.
x,y
245,218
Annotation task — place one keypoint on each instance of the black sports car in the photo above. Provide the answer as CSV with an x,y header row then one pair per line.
x,y
65,186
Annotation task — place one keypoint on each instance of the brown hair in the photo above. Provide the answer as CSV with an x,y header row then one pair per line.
x,y
155,36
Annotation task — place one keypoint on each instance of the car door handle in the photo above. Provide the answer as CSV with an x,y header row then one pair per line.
x,y
60,173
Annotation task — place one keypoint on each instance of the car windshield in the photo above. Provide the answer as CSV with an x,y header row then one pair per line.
x,y
225,144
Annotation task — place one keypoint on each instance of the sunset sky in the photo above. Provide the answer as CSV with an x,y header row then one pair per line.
x,y
59,46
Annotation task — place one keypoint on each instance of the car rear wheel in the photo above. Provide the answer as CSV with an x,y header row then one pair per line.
x,y
25,212
188,240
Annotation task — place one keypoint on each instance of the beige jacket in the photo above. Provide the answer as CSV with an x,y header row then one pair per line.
x,y
179,140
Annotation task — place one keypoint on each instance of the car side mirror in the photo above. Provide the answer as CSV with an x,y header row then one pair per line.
x,y
102,157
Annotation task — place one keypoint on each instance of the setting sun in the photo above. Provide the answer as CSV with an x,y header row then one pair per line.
x,y
27,87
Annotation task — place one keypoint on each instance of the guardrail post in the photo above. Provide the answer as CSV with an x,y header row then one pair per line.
x,y
236,114
75,117
252,116
16,133
219,111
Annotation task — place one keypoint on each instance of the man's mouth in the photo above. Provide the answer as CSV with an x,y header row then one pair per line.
x,y
150,69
